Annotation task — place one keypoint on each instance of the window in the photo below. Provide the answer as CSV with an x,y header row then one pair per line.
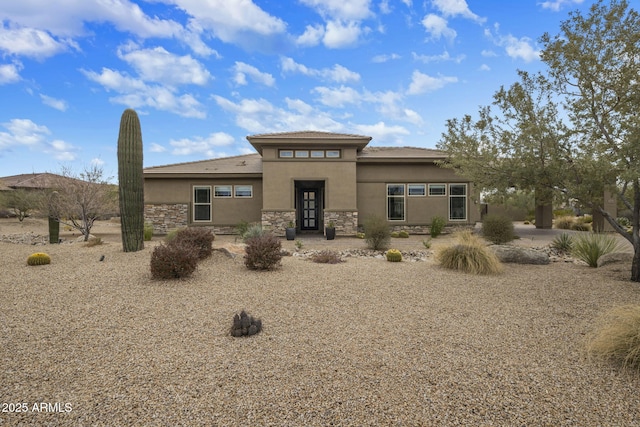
x,y
333,154
243,191
317,154
201,203
285,153
222,191
302,153
416,190
395,202
437,190
458,202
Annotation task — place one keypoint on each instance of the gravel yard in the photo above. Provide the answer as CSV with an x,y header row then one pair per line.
x,y
365,342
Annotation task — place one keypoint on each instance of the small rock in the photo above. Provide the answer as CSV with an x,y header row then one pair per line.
x,y
615,257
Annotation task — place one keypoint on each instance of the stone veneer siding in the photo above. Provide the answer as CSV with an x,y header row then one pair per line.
x,y
345,222
277,221
166,217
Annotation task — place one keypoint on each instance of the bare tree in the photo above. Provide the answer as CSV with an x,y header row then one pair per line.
x,y
78,200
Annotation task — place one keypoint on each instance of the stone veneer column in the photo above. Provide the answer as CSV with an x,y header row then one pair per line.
x,y
166,217
345,222
277,221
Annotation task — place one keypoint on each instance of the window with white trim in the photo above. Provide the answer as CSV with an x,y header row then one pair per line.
x,y
458,202
395,202
437,190
287,154
243,191
302,154
414,190
201,203
222,191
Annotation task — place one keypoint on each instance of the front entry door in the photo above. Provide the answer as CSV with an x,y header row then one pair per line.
x,y
309,209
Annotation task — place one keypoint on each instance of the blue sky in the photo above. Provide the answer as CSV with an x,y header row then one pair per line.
x,y
204,74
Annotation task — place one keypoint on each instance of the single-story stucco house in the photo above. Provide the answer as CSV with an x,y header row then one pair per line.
x,y
311,179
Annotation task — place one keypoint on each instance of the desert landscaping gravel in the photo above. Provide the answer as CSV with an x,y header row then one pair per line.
x,y
85,342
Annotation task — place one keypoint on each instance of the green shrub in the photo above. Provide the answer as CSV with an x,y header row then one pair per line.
x,y
376,233
172,234
38,258
263,252
437,226
403,234
617,337
624,222
199,238
326,257
498,229
148,231
562,243
564,222
557,213
581,226
590,247
242,227
254,230
173,261
394,255
470,255
427,243
585,219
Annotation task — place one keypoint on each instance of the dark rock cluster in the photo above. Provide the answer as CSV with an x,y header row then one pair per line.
x,y
245,325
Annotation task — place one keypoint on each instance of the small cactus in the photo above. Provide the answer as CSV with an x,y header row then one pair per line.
x,y
395,234
245,325
394,255
403,234
39,258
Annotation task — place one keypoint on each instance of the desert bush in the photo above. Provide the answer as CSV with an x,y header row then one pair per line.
x,y
326,257
623,221
174,260
437,226
562,243
564,222
263,252
394,255
617,337
497,229
38,258
590,247
376,233
557,213
245,325
242,227
581,226
470,255
148,231
172,234
585,219
199,238
254,230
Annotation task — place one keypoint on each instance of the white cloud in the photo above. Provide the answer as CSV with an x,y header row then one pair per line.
x,y
381,132
422,83
444,56
22,132
199,145
338,97
10,73
135,93
157,148
517,48
341,9
158,65
378,59
341,34
243,70
437,27
62,150
30,42
338,73
312,36
556,5
488,53
97,162
58,104
456,8
485,67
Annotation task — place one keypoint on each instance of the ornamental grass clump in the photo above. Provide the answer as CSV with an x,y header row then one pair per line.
x,y
617,337
174,260
376,233
263,252
199,238
326,257
38,258
497,229
564,222
590,247
469,255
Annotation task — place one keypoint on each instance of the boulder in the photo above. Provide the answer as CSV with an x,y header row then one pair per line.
x,y
615,258
518,255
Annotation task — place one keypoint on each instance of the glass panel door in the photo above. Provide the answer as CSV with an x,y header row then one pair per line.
x,y
309,210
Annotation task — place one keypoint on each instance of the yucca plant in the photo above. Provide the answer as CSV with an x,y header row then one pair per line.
x,y
617,337
562,243
590,247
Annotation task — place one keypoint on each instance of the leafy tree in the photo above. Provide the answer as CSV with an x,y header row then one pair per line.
x,y
80,199
21,201
593,69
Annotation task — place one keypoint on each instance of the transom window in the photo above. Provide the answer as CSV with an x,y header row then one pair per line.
x,y
285,154
395,202
306,154
201,203
457,202
222,191
437,190
416,190
243,191
302,153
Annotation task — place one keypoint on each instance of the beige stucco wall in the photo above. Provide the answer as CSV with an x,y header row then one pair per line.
x,y
225,211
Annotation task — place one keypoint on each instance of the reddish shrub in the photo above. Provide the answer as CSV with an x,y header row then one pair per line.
x,y
263,252
200,238
173,261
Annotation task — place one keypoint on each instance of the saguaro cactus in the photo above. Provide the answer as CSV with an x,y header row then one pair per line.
x,y
130,182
